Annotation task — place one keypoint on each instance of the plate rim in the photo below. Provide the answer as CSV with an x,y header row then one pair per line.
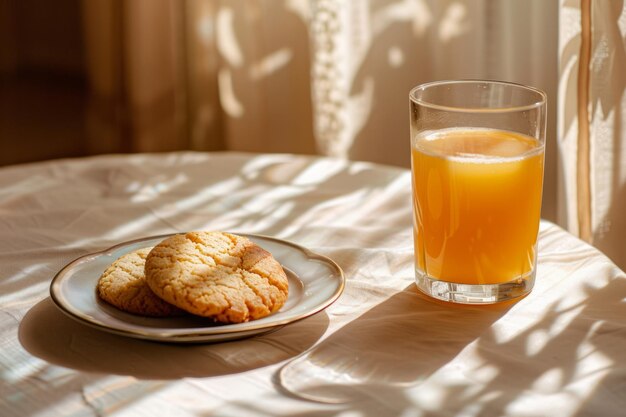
x,y
226,333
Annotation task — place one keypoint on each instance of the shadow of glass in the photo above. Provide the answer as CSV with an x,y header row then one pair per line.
x,y
392,359
47,333
398,343
567,352
588,351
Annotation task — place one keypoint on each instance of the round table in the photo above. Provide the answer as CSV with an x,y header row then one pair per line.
x,y
381,349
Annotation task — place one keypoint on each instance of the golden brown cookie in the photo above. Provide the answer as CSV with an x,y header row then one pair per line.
x,y
219,275
123,285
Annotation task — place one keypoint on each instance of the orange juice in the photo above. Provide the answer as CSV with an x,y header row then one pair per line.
x,y
477,201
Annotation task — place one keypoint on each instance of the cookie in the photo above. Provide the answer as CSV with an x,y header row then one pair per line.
x,y
219,275
123,285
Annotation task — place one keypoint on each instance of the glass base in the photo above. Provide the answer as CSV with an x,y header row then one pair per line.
x,y
474,294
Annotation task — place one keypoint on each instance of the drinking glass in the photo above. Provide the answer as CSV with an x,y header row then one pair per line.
x,y
477,159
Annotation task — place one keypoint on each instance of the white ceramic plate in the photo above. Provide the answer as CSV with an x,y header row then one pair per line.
x,y
315,282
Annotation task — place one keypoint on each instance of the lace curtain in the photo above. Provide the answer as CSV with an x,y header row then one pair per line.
x,y
332,77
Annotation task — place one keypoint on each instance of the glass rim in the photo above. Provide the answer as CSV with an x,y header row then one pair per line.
x,y
422,87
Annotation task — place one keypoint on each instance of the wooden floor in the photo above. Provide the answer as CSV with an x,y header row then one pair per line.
x,y
41,117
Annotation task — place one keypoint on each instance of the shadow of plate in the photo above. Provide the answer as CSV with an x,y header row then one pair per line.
x,y
47,333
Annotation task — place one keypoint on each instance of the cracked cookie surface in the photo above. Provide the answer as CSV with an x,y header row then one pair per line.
x,y
123,285
219,275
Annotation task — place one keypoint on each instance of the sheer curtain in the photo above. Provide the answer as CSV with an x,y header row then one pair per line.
x,y
592,123
332,77
199,74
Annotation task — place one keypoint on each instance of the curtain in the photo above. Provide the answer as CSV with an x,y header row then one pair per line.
x,y
332,77
198,74
592,123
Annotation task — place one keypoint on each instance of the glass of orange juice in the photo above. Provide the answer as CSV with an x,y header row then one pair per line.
x,y
477,157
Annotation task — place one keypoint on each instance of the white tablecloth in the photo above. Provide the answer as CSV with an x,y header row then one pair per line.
x,y
381,350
